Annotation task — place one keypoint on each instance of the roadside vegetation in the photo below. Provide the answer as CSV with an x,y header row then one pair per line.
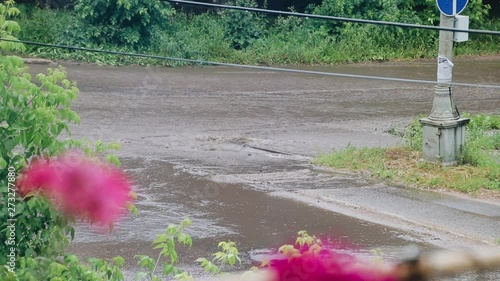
x,y
49,181
155,27
42,199
39,210
479,167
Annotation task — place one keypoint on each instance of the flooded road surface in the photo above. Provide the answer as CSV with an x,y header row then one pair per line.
x,y
231,149
220,212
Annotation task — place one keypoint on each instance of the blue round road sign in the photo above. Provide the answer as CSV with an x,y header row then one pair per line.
x,y
451,7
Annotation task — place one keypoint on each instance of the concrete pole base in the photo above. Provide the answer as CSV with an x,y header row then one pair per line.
x,y
443,140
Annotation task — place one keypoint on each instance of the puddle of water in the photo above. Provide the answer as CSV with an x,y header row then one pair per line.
x,y
259,223
256,221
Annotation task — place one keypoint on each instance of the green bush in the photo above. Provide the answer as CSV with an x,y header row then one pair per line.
x,y
243,28
247,37
391,42
123,22
195,37
35,112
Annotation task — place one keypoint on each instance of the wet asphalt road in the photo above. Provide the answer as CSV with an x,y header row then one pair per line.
x,y
231,148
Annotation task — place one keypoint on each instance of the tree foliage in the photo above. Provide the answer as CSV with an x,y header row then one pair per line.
x,y
247,37
409,11
127,22
243,28
35,112
9,28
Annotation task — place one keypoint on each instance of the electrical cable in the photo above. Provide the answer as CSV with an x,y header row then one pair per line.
x,y
268,68
304,15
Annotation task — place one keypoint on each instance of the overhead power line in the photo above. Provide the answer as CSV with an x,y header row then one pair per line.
x,y
268,68
304,15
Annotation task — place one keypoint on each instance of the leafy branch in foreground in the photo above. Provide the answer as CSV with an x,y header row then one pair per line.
x,y
35,118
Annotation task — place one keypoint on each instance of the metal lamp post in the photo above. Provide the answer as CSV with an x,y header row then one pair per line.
x,y
444,129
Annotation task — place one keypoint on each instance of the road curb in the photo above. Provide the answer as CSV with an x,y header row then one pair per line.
x,y
38,61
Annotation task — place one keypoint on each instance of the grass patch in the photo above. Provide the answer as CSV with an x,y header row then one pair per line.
x,y
479,166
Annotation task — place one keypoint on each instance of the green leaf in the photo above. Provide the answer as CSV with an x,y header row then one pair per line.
x,y
13,11
133,209
181,238
213,268
56,269
51,99
160,246
203,261
112,159
173,257
141,275
186,223
119,261
160,238
3,163
145,262
171,229
168,268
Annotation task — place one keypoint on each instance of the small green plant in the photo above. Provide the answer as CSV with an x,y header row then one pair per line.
x,y
228,256
167,243
413,135
482,139
303,242
304,239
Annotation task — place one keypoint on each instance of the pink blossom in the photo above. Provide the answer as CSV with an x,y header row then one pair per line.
x,y
80,187
39,177
328,265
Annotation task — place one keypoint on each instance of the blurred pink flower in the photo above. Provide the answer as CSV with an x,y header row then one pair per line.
x,y
39,177
328,265
80,187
